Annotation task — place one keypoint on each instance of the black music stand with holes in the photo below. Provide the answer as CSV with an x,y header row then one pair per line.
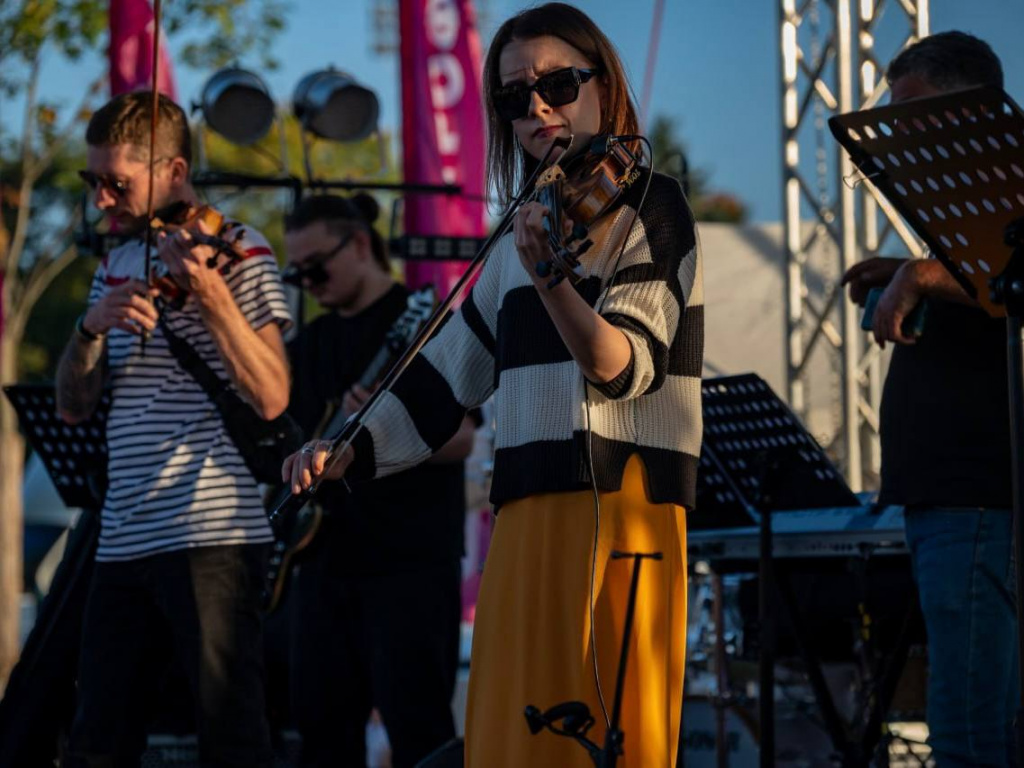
x,y
758,459
39,699
953,166
74,455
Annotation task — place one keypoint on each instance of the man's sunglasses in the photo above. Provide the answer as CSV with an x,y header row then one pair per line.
x,y
312,269
119,187
94,180
557,88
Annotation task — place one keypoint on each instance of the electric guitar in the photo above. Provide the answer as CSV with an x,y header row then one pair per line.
x,y
294,533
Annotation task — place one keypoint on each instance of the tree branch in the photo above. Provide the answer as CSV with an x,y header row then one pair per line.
x,y
27,182
69,131
34,289
43,270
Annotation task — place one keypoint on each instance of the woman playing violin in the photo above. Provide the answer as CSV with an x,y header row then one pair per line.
x,y
597,397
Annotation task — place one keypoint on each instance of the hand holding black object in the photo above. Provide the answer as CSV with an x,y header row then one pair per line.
x,y
868,274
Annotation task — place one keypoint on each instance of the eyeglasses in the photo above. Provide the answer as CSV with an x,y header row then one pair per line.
x,y
118,186
558,88
94,180
312,268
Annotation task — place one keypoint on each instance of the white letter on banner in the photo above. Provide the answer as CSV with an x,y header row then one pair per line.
x,y
447,137
442,23
447,83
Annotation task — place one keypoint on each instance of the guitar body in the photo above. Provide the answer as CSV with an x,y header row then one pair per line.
x,y
294,532
292,535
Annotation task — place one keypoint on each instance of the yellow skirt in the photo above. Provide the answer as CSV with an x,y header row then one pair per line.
x,y
531,639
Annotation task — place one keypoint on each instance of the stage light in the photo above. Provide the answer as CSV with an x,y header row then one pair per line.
x,y
237,105
331,105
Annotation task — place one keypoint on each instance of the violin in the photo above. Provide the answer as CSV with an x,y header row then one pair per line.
x,y
577,195
183,216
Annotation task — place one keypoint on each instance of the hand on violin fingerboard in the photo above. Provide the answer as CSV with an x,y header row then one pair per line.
x,y
186,260
531,232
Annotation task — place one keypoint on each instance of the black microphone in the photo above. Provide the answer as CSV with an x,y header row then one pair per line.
x,y
600,145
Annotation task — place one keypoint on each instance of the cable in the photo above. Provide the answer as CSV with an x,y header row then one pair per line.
x,y
590,444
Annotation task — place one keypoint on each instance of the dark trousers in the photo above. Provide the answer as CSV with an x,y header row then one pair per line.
x,y
199,606
389,641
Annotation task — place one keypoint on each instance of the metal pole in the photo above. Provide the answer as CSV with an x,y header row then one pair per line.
x,y
1015,371
848,254
792,241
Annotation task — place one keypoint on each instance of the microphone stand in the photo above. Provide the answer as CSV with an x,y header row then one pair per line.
x,y
575,715
1007,289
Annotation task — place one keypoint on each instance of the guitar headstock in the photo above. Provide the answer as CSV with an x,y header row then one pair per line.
x,y
418,309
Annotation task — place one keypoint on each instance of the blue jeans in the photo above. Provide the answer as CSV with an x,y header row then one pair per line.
x,y
963,566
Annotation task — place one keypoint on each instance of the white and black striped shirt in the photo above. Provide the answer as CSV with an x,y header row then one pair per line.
x,y
503,341
176,480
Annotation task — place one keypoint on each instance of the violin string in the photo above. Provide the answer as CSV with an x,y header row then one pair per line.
x,y
590,444
148,259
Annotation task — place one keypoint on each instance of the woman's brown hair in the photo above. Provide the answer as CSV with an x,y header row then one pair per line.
x,y
507,164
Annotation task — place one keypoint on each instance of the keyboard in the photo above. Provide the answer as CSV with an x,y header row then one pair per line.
x,y
810,533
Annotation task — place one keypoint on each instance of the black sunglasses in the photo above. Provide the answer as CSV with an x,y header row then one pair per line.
x,y
312,270
93,180
118,186
557,88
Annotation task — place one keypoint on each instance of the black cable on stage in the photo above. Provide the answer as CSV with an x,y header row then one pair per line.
x,y
590,437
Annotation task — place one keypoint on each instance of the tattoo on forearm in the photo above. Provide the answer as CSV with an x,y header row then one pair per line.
x,y
80,377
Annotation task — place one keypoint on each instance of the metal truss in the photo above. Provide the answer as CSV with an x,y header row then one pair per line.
x,y
829,67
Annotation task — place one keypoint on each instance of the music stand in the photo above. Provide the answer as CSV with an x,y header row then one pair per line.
x,y
39,697
75,456
761,460
953,166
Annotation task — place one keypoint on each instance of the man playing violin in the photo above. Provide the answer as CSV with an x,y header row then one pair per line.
x,y
377,601
183,532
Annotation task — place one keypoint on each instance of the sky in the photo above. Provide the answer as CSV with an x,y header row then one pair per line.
x,y
717,71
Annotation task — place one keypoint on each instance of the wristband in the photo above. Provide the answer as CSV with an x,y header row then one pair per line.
x,y
80,330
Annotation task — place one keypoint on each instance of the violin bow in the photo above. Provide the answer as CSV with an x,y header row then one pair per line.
x,y
288,503
150,209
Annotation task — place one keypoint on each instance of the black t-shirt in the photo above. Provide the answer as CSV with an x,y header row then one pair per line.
x,y
408,520
944,419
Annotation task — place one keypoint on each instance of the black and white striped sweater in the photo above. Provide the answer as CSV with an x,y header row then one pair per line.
x,y
502,341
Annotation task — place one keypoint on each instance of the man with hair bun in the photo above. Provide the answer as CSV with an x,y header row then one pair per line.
x,y
377,596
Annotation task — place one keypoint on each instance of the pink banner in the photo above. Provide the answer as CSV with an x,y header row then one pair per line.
x,y
131,50
442,128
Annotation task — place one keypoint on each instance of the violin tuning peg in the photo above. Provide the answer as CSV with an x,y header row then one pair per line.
x,y
543,268
579,231
584,247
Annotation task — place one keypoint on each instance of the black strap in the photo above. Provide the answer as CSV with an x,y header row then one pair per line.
x,y
193,364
